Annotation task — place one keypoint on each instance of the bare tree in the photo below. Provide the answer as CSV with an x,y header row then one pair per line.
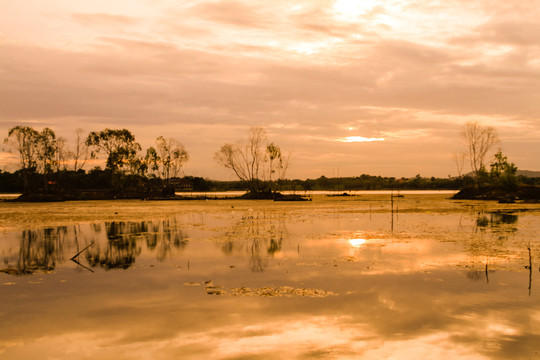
x,y
62,155
171,154
479,140
245,159
459,160
80,151
248,160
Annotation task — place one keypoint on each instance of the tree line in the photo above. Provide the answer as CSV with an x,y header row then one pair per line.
x,y
48,163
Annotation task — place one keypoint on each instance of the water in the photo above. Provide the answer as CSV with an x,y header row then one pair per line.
x,y
335,278
324,192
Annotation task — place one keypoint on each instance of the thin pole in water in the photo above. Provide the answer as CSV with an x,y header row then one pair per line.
x,y
392,207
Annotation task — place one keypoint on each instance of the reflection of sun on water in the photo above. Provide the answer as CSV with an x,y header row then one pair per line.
x,y
357,242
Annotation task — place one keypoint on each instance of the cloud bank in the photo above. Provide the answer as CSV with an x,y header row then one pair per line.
x,y
203,72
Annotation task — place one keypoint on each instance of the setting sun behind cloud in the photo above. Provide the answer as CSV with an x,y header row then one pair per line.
x,y
360,139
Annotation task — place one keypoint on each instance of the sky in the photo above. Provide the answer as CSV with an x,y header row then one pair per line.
x,y
347,87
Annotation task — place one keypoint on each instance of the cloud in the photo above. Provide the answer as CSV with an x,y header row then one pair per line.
x,y
101,19
230,13
233,65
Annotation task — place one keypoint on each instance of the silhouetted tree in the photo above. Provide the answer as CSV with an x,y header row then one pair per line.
x,y
24,140
62,154
119,145
278,163
46,150
503,172
79,154
479,140
152,161
171,156
248,160
459,160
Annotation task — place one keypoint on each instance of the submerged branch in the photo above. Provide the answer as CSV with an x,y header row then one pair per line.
x,y
79,253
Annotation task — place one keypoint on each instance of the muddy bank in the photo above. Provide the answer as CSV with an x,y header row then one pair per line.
x,y
521,193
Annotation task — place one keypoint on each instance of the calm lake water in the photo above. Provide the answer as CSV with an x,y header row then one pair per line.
x,y
422,277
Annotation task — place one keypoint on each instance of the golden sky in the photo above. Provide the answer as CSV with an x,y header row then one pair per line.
x,y
349,87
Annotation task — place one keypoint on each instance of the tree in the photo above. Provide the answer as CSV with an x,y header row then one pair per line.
x,y
278,163
479,140
119,145
62,155
171,154
24,140
248,160
459,160
80,151
151,160
46,153
503,172
46,150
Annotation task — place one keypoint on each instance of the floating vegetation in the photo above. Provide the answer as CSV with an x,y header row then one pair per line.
x,y
267,291
212,289
282,291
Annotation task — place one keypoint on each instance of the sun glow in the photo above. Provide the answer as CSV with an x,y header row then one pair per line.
x,y
360,139
350,9
357,242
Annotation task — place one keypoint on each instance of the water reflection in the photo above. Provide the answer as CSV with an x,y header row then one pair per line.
x,y
478,275
39,250
425,290
109,245
497,221
258,236
357,242
121,248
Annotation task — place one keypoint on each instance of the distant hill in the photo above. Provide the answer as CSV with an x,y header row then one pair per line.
x,y
528,173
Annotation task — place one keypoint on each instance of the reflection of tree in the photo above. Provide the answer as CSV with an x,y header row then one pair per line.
x,y
112,245
476,275
123,242
274,246
164,236
40,250
490,236
501,222
121,248
491,232
254,236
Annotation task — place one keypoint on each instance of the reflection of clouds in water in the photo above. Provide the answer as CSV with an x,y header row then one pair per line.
x,y
312,337
394,255
410,303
